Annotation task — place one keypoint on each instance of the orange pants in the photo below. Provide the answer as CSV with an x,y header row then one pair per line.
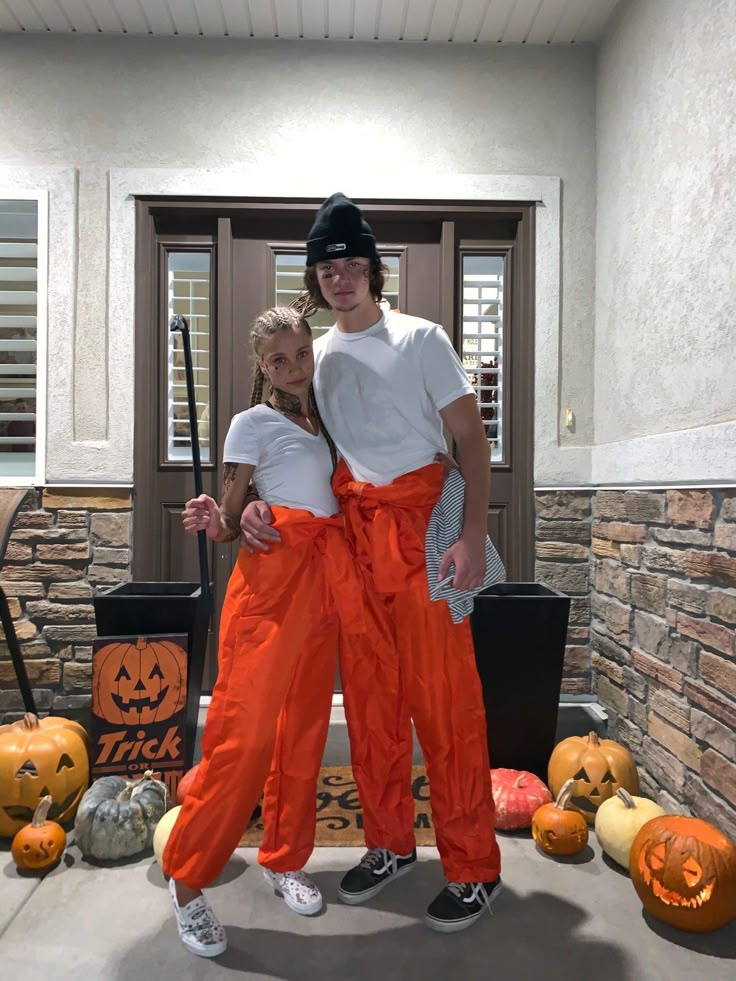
x,y
270,709
413,663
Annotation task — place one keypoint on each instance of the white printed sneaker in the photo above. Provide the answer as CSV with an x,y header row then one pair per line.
x,y
300,893
199,929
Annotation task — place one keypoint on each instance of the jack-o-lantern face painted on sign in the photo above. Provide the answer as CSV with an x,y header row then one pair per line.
x,y
684,871
599,768
136,684
39,758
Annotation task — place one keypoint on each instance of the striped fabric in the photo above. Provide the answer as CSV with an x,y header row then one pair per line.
x,y
444,528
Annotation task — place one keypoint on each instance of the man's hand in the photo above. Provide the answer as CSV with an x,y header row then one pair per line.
x,y
469,559
202,514
255,527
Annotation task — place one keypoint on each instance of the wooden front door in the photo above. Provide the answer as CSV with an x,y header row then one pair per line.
x,y
465,266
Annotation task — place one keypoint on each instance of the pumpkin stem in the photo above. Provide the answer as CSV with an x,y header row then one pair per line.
x,y
520,781
563,798
30,721
626,797
594,739
41,812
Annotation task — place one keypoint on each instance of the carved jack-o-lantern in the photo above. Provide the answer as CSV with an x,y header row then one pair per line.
x,y
136,684
598,767
40,757
39,845
684,871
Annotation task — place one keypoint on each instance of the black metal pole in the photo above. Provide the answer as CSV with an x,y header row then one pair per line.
x,y
16,656
179,323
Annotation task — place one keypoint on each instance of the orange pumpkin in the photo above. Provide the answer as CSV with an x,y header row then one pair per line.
x,y
558,829
185,784
40,757
598,767
684,871
41,843
136,684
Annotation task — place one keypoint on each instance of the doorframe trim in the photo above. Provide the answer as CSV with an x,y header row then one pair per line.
x,y
552,462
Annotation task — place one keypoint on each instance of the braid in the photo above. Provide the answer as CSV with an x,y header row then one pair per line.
x,y
256,396
313,407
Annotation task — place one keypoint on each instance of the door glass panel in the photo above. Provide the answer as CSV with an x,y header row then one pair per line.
x,y
18,322
189,282
482,352
290,282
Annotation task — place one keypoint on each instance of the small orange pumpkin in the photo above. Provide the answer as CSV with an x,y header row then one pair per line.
x,y
598,767
39,845
558,829
185,784
136,684
684,871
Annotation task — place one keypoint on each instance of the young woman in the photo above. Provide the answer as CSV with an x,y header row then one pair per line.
x,y
270,709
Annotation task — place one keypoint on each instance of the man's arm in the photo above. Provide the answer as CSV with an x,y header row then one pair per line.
x,y
463,420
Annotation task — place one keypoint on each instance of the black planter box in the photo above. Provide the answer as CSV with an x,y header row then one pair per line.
x,y
147,608
519,633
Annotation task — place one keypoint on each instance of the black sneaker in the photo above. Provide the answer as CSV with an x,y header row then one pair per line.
x,y
377,868
460,904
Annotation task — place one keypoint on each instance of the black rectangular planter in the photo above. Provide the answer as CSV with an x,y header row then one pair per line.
x,y
147,608
519,633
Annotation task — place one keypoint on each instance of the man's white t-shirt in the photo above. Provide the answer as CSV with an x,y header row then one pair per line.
x,y
380,392
292,467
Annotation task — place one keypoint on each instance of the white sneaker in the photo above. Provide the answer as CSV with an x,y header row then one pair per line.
x,y
199,929
300,893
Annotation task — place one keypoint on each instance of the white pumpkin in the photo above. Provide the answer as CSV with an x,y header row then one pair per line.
x,y
618,820
163,829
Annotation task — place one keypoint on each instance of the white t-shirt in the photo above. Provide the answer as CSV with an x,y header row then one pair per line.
x,y
380,392
292,467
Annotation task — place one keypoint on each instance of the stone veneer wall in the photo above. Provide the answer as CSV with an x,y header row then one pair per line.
x,y
654,574
65,544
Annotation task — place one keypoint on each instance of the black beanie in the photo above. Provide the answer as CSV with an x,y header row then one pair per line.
x,y
339,231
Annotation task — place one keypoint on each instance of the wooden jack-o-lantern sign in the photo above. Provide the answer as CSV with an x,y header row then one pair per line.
x,y
598,767
136,684
40,845
684,871
39,758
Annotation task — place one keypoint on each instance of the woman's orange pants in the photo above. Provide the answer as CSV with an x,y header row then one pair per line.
x,y
413,662
270,709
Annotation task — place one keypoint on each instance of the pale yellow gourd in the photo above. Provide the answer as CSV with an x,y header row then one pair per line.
x,y
163,829
618,821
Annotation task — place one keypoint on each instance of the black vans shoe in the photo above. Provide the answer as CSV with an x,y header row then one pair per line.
x,y
460,904
377,868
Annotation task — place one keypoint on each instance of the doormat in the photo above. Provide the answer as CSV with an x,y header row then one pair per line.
x,y
339,817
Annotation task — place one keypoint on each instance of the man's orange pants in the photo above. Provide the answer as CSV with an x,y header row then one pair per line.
x,y
413,663
270,709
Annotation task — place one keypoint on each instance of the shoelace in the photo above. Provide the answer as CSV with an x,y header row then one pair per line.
x,y
458,888
376,855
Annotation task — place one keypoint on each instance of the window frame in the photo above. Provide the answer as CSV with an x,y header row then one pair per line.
x,y
38,478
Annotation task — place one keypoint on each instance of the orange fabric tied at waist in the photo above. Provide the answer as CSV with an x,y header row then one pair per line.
x,y
343,585
386,524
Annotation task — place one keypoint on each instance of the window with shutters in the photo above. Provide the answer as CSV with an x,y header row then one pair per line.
x,y
21,326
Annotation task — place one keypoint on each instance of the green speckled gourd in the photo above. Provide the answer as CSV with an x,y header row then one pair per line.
x,y
117,817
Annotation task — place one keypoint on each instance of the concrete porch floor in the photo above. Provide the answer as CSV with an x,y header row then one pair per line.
x,y
563,920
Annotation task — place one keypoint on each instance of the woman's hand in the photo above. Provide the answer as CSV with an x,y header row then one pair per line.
x,y
202,514
255,527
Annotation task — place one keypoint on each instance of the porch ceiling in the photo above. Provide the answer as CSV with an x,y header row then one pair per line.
x,y
433,21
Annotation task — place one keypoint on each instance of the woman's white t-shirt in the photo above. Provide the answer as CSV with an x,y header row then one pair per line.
x,y
292,467
380,392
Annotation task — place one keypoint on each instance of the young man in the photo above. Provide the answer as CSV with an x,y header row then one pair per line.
x,y
386,383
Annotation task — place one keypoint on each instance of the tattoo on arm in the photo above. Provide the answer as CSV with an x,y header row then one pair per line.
x,y
232,524
231,470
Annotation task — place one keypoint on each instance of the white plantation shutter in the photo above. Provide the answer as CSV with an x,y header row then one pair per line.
x,y
18,337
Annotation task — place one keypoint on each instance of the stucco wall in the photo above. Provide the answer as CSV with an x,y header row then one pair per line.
x,y
665,305
410,116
